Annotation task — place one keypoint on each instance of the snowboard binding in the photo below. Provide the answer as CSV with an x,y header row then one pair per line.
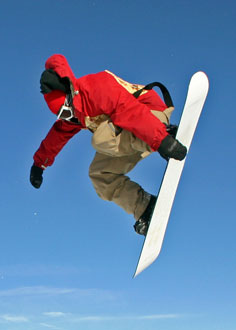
x,y
142,224
172,129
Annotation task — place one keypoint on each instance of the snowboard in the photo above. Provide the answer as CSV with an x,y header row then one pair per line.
x,y
196,96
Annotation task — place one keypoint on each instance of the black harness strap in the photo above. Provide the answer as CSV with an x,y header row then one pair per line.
x,y
164,90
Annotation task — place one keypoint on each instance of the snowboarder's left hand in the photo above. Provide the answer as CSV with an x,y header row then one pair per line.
x,y
36,176
172,148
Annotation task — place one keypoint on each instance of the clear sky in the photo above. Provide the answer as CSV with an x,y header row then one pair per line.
x,y
66,257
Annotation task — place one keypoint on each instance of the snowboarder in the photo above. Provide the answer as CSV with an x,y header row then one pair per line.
x,y
125,130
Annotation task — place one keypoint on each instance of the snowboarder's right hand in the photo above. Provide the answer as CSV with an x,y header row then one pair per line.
x,y
36,176
172,148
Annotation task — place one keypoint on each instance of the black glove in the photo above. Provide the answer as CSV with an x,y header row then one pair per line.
x,y
36,176
50,81
172,148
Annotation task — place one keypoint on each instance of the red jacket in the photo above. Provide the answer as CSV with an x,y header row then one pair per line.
x,y
99,94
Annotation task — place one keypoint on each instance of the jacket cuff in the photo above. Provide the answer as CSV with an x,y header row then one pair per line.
x,y
43,167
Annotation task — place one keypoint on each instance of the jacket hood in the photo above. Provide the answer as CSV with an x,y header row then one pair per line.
x,y
59,64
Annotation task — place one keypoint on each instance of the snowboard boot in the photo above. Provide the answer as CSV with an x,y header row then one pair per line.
x,y
142,224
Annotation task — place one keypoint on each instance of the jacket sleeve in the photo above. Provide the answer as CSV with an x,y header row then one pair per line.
x,y
137,118
60,133
106,95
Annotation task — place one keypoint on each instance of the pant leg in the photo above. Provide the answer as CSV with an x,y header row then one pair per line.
x,y
110,182
107,172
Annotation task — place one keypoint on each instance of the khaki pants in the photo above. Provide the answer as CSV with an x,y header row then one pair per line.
x,y
118,151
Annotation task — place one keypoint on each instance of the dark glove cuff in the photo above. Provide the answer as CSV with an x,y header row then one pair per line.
x,y
166,143
37,170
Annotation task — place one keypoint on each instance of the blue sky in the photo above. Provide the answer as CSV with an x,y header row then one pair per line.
x,y
67,257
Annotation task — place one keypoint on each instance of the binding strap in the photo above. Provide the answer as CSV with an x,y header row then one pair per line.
x,y
164,90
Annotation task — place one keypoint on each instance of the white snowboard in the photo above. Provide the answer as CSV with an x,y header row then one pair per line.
x,y
197,93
